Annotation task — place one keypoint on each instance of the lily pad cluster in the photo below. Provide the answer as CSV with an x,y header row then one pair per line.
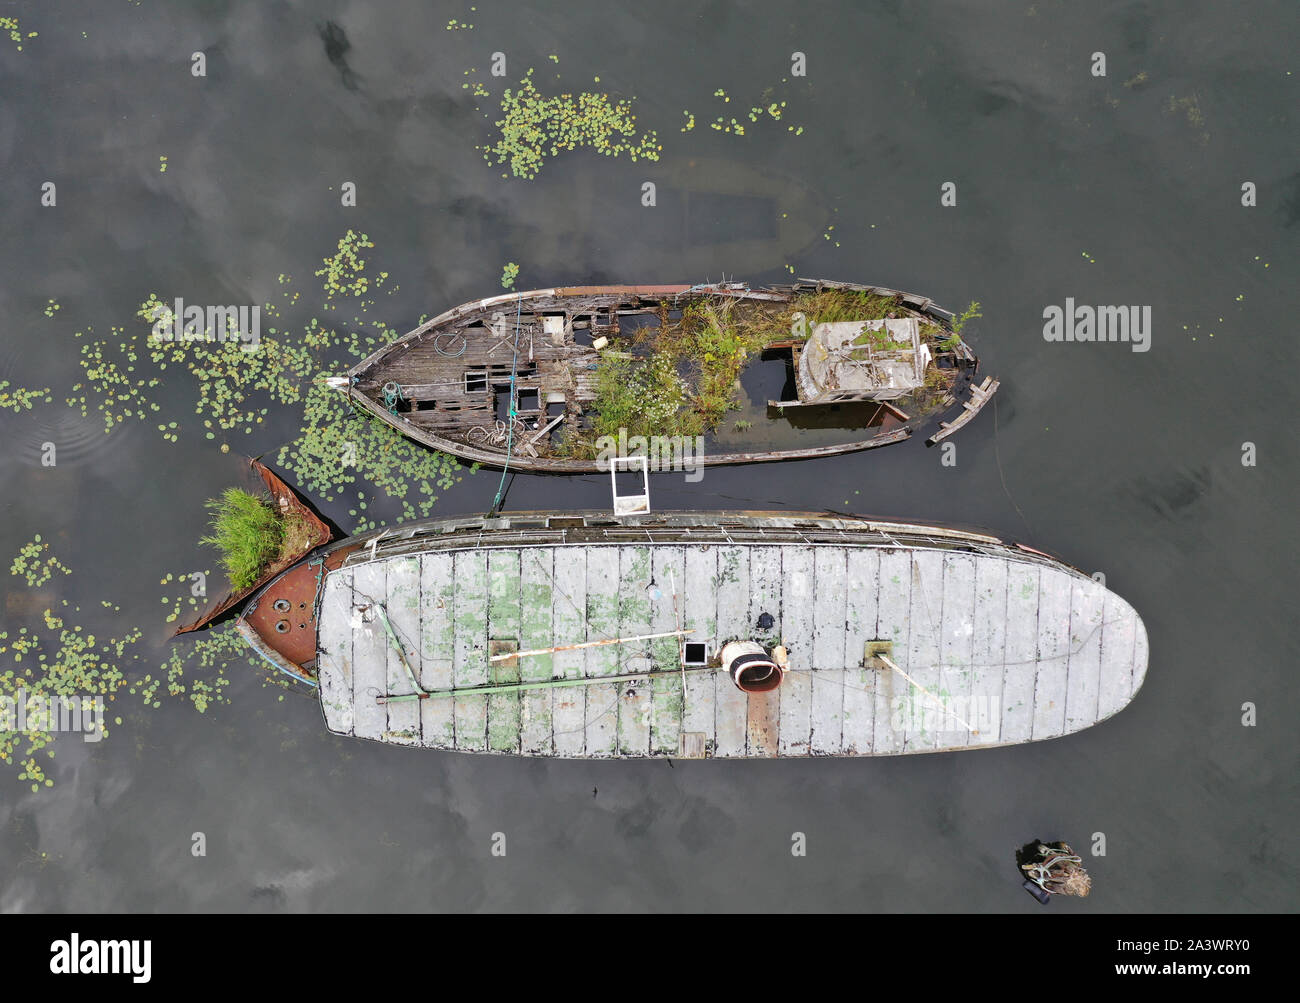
x,y
21,398
32,568
110,385
534,127
343,271
340,447
10,26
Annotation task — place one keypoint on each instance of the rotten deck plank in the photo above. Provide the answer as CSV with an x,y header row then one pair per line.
x,y
470,667
569,608
437,649
504,709
402,587
862,588
535,631
731,704
830,613
797,630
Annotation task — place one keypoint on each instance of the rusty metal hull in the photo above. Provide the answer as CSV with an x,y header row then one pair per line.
x,y
288,500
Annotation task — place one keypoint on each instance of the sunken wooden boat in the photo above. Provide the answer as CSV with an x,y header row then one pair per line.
x,y
697,635
560,380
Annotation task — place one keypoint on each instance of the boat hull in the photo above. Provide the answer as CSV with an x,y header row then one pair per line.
x,y
901,638
416,358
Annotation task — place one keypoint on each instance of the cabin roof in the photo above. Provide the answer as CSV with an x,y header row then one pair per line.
x,y
1016,647
845,356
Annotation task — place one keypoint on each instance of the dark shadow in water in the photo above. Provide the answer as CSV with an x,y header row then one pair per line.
x,y
336,47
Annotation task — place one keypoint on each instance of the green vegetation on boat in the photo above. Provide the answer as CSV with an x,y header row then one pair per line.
x,y
250,534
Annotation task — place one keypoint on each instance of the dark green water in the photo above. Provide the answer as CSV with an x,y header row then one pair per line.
x,y
1117,190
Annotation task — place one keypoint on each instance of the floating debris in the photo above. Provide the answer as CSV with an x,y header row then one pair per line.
x,y
508,275
1052,869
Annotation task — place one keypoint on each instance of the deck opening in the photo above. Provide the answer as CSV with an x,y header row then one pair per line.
x,y
501,396
475,382
425,405
529,399
695,653
629,324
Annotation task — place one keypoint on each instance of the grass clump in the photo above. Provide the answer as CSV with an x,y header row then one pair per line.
x,y
647,398
247,531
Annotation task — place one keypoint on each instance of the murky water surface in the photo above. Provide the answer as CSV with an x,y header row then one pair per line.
x,y
1117,190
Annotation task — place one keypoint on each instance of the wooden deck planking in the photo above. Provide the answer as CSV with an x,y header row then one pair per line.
x,y
437,650
667,565
1083,675
334,657
862,586
1118,646
569,609
369,652
469,632
763,710
402,578
922,716
536,590
1053,652
797,631
731,703
956,646
504,710
988,649
634,613
893,624
829,614
700,614
601,720
1021,652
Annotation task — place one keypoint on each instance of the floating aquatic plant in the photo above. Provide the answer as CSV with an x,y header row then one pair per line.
x,y
108,370
343,270
508,275
29,565
10,25
534,127
21,398
338,446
